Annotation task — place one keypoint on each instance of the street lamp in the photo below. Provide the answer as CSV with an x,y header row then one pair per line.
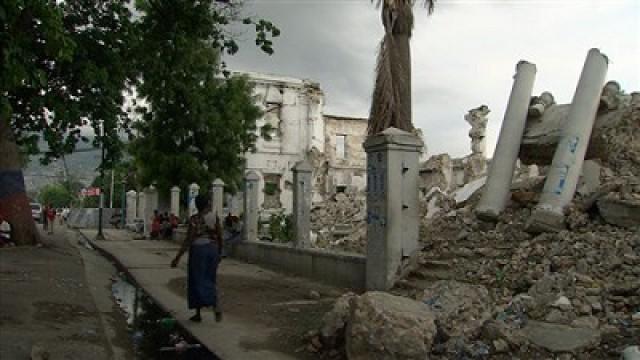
x,y
100,236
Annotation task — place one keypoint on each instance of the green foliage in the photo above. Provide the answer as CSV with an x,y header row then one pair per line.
x,y
281,227
199,123
57,195
121,183
64,64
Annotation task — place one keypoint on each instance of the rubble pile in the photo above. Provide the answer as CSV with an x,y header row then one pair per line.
x,y
497,290
339,223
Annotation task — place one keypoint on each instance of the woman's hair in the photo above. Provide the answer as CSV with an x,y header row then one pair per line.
x,y
202,202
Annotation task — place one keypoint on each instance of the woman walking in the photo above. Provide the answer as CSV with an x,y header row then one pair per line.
x,y
204,243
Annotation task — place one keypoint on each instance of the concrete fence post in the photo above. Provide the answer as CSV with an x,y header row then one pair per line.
x,y
302,188
496,192
251,181
217,198
151,199
563,174
175,201
194,189
141,204
132,206
392,204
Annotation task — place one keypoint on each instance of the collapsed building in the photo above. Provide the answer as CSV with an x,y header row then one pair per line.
x,y
497,280
294,127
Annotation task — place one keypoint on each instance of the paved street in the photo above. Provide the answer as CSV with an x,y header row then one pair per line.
x,y
56,299
266,313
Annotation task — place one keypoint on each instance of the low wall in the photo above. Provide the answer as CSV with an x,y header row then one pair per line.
x,y
333,268
87,218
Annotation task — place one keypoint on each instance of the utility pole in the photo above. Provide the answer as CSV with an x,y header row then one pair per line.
x,y
111,192
100,236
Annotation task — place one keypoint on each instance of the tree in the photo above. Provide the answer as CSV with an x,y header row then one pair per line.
x,y
199,123
63,65
57,195
391,100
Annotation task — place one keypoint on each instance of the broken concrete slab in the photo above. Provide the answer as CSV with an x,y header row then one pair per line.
x,y
620,212
560,338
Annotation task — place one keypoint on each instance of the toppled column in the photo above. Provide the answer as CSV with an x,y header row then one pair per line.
x,y
302,187
132,206
496,191
217,198
194,190
392,204
251,181
562,177
175,201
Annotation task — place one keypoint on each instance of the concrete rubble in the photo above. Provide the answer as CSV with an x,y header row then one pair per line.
x,y
573,293
339,223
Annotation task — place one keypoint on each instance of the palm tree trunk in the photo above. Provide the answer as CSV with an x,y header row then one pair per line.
x,y
391,100
14,203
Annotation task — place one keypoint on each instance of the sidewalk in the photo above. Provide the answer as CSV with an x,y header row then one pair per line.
x,y
266,314
56,298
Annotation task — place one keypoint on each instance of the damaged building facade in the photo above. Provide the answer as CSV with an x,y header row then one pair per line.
x,y
294,127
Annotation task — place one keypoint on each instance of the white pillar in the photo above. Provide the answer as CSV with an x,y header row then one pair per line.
x,y
217,198
151,204
251,206
393,215
194,189
132,206
496,191
302,187
141,204
563,174
175,201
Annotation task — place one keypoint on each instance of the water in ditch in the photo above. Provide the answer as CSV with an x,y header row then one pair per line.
x,y
154,333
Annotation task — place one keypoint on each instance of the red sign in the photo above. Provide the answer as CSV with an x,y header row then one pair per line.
x,y
92,191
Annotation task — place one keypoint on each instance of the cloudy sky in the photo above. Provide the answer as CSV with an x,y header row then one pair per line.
x,y
464,55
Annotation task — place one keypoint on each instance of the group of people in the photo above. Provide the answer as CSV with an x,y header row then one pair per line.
x,y
163,225
48,218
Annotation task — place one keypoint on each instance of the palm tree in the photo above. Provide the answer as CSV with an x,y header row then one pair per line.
x,y
391,100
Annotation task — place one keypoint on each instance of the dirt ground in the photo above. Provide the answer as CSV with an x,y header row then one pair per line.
x,y
47,302
284,303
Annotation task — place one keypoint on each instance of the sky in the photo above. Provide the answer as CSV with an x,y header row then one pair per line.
x,y
463,55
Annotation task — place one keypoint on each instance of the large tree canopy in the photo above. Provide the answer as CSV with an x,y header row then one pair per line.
x,y
67,64
198,123
63,65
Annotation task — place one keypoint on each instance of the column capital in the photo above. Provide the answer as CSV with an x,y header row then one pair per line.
x,y
393,139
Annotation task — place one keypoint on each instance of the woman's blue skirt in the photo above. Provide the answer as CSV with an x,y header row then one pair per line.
x,y
201,282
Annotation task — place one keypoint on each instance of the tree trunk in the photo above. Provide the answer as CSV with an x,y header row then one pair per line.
x,y
14,203
391,100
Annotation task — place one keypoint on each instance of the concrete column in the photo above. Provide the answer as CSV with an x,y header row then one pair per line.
x,y
132,205
194,189
175,201
151,204
217,198
496,191
251,181
563,174
302,187
392,204
141,204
